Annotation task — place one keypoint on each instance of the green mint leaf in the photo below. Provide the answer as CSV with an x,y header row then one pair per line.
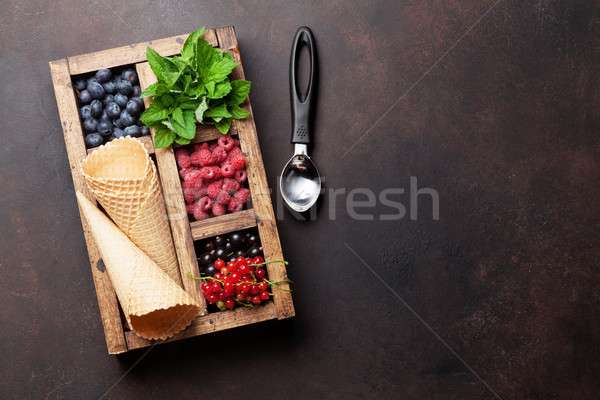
x,y
210,88
163,137
154,112
189,47
221,69
224,125
220,90
164,69
218,111
182,141
195,89
199,113
166,99
239,92
150,90
184,123
237,112
206,56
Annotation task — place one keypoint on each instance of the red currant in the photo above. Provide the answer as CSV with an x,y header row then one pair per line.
x,y
264,295
240,260
212,298
219,264
259,273
245,287
254,289
256,299
216,287
229,293
258,260
229,286
207,288
225,271
229,303
244,269
242,297
263,286
230,265
218,276
235,277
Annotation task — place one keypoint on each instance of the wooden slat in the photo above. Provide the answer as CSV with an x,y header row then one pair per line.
x,y
224,224
259,187
171,185
69,115
146,141
135,53
213,323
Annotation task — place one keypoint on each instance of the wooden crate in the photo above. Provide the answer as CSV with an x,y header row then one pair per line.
x,y
119,338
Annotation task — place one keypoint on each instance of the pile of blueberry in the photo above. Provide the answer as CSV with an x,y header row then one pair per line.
x,y
110,106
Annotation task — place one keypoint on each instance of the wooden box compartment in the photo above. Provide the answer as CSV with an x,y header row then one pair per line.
x,y
260,214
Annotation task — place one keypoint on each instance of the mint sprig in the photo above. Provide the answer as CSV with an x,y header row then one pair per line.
x,y
193,88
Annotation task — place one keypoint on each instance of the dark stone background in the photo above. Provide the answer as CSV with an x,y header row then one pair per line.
x,y
505,127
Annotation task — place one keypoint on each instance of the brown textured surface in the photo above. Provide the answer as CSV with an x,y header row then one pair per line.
x,y
505,127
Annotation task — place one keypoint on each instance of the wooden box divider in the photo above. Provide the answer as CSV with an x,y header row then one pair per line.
x,y
118,337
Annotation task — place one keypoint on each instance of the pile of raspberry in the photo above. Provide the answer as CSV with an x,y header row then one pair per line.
x,y
213,176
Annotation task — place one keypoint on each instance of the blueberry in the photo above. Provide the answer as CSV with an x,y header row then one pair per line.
x,y
80,84
90,125
96,90
130,76
103,75
135,106
118,123
113,110
109,87
145,131
111,137
109,98
96,106
126,118
86,112
121,100
90,80
125,88
137,91
93,140
104,116
105,128
84,96
133,131
140,123
118,133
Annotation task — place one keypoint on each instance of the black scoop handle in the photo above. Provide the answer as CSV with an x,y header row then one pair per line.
x,y
303,103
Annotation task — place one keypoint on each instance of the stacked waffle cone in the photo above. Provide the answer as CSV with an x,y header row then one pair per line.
x,y
154,305
123,179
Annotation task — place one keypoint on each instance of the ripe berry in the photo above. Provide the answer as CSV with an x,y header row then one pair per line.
x,y
240,175
212,298
263,286
245,287
256,299
259,273
229,286
226,142
219,264
230,303
238,162
264,295
218,276
253,290
258,260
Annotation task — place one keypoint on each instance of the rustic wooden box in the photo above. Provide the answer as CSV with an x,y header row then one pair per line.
x,y
119,338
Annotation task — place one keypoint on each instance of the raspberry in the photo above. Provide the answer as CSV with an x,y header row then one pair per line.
x,y
184,172
223,197
198,147
226,142
183,158
234,205
219,154
189,195
205,203
202,157
236,142
238,162
217,171
194,178
213,189
207,173
236,151
240,175
212,146
190,208
231,185
200,214
186,185
242,195
227,170
218,209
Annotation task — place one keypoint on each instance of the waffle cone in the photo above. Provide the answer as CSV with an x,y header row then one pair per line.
x,y
154,305
124,180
